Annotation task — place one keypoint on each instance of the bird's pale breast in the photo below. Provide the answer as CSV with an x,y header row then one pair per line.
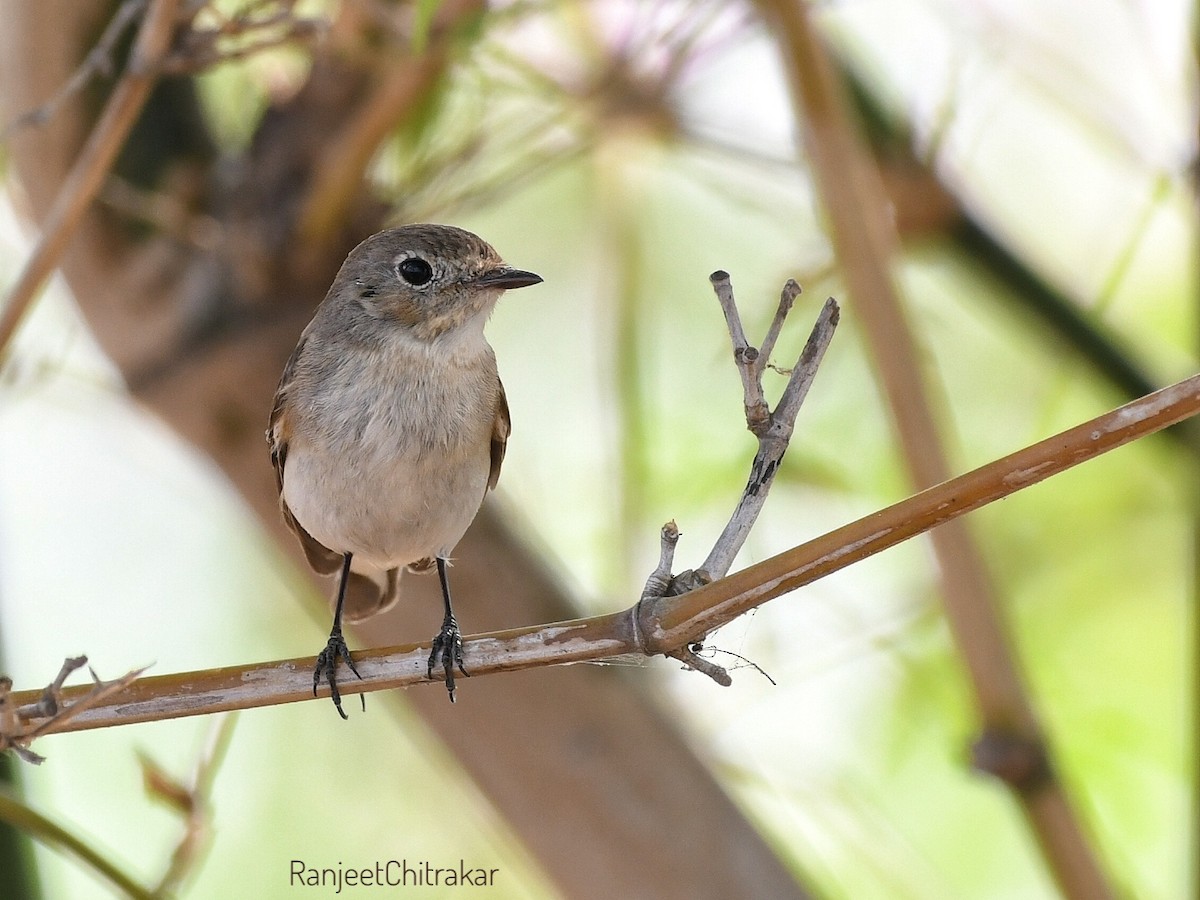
x,y
392,464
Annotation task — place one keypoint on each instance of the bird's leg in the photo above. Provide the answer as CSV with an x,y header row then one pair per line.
x,y
336,648
448,645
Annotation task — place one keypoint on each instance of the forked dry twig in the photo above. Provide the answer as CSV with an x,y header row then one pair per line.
x,y
773,428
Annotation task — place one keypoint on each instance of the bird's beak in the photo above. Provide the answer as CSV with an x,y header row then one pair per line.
x,y
506,279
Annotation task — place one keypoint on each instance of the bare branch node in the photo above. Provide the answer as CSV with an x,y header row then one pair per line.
x,y
1020,761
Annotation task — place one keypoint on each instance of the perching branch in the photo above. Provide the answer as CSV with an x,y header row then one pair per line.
x,y
664,627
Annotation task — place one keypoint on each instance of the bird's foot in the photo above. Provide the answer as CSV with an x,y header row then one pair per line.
x,y
327,661
448,652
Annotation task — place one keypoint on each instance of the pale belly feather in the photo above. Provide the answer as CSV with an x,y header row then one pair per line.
x,y
387,512
400,476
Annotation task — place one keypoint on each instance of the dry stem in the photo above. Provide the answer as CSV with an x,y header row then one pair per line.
x,y
864,239
52,834
22,722
192,800
98,62
91,166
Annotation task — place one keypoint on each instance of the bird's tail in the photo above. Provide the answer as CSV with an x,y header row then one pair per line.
x,y
370,592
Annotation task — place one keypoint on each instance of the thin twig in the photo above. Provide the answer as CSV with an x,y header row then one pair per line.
x,y
800,377
192,800
758,414
400,87
87,175
672,623
203,48
52,713
688,657
773,430
661,584
49,703
660,579
98,63
48,709
50,833
787,298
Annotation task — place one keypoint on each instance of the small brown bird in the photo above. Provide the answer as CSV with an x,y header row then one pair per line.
x,y
390,423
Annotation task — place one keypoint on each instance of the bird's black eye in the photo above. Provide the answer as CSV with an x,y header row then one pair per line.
x,y
415,271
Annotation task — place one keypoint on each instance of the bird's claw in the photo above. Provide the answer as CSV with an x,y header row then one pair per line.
x,y
447,651
327,661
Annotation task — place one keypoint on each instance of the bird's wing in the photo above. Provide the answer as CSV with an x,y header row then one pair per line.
x,y
279,432
279,426
501,428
